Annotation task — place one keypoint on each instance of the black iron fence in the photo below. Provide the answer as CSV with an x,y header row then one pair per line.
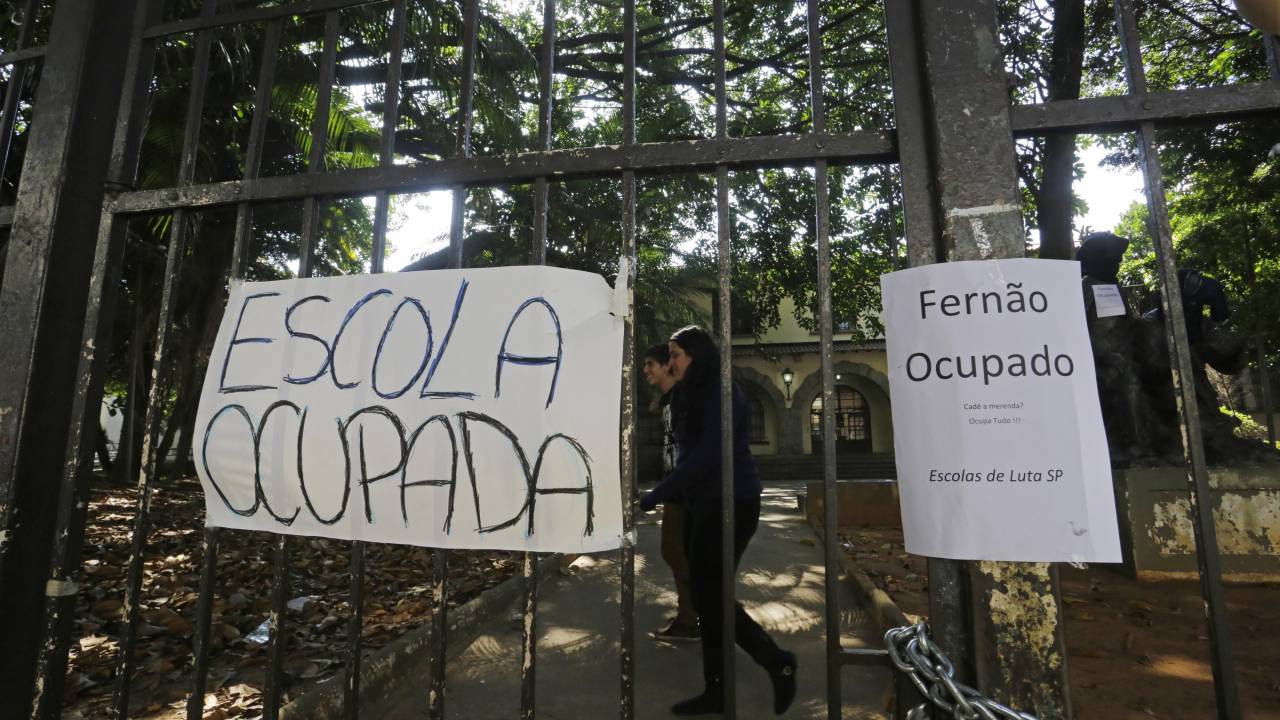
x,y
62,272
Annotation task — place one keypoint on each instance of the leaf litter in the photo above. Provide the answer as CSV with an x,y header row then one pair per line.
x,y
397,589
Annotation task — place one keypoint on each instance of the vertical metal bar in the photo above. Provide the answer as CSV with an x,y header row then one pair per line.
x,y
319,142
822,228
1127,29
17,79
280,579
1272,46
911,112
253,150
466,103
239,261
470,19
278,632
722,105
817,107
457,217
1265,382
390,123
529,637
1261,383
1210,566
204,623
1019,658
31,249
150,464
830,530
159,381
725,333
440,556
545,74
948,587
627,589
133,410
355,624
72,508
439,626
1264,388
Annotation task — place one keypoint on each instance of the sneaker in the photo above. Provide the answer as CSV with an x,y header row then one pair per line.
x,y
677,632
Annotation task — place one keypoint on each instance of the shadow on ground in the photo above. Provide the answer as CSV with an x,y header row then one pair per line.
x,y
579,626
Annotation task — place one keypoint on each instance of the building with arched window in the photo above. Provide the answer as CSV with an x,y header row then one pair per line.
x,y
781,374
852,420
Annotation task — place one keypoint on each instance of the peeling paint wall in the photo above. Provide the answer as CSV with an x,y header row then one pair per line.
x,y
1162,545
1247,524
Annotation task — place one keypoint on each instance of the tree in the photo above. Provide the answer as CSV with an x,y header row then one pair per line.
x,y
1219,181
199,294
1222,182
1055,207
773,211
1044,46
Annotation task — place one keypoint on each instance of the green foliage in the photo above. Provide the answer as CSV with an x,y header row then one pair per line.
x,y
344,224
1221,183
768,92
1222,186
1139,265
1248,428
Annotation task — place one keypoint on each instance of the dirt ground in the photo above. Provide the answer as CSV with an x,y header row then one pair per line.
x,y
397,599
1134,650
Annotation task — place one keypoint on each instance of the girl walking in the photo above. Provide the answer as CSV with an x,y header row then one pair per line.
x,y
695,407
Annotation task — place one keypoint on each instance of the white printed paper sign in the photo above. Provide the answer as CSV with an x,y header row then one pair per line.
x,y
1107,301
1000,445
449,408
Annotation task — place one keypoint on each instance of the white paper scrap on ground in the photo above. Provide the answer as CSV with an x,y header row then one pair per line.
x,y
448,408
999,439
1107,300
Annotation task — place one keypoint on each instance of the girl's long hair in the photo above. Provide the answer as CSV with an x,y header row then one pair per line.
x,y
701,377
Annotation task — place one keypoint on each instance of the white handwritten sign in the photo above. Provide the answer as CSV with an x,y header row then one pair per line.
x,y
1000,447
462,409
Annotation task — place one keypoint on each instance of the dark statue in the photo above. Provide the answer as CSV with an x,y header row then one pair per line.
x,y
1133,432
1131,356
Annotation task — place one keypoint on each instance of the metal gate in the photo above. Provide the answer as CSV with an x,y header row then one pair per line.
x,y
953,141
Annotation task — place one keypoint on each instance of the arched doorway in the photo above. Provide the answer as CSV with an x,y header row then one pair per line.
x,y
853,422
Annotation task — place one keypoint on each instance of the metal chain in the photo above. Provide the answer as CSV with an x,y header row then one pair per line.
x,y
915,654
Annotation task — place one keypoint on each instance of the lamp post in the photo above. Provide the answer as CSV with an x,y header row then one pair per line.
x,y
787,377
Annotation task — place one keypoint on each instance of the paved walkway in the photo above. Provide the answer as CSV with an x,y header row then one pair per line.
x,y
780,583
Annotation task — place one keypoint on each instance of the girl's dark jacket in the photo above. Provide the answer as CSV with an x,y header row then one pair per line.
x,y
696,477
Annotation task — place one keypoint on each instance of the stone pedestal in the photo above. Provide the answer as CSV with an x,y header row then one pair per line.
x,y
1156,534
858,502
